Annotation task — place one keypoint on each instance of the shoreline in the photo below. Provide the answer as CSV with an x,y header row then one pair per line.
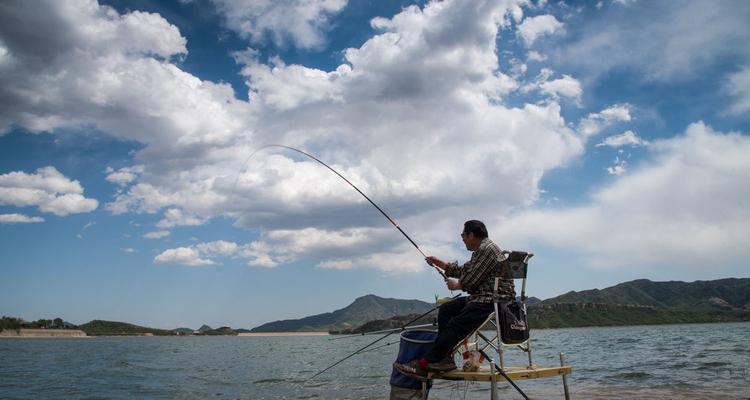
x,y
28,333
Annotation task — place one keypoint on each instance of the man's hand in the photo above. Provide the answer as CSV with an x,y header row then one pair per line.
x,y
453,284
435,262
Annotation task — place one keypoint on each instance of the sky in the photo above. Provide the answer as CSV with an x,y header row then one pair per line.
x,y
609,138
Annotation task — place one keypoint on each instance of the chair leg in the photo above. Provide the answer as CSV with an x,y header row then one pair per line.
x,y
499,338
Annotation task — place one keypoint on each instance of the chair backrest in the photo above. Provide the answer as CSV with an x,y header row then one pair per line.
x,y
514,265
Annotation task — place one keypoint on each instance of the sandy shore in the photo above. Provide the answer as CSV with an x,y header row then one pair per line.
x,y
42,333
284,334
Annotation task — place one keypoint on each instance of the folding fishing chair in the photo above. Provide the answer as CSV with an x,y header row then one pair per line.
x,y
513,265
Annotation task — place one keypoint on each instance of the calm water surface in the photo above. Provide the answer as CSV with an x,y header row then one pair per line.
x,y
703,361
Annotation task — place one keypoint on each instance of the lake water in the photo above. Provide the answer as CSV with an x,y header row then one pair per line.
x,y
701,361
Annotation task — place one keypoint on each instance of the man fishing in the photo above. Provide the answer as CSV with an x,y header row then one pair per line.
x,y
460,317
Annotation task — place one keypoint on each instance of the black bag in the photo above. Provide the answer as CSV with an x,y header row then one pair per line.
x,y
514,328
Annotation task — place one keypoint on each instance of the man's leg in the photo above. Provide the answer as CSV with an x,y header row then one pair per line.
x,y
456,320
450,310
457,328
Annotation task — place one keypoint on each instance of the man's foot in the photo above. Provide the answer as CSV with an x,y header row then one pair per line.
x,y
444,365
412,369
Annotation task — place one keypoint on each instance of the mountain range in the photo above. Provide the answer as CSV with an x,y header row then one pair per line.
x,y
630,303
643,302
362,310
636,302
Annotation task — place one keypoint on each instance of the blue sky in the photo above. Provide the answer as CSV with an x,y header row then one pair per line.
x,y
610,138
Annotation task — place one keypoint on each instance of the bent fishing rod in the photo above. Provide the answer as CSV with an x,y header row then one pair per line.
x,y
445,278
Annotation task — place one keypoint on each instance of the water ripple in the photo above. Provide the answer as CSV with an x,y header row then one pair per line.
x,y
645,362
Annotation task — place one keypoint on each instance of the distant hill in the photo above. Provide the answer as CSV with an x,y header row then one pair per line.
x,y
639,302
113,328
363,309
223,331
571,315
532,300
731,294
642,302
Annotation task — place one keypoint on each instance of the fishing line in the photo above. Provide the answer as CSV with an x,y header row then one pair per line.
x,y
401,328
362,349
350,184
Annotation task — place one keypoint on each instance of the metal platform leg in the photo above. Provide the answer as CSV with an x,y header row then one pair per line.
x,y
565,377
493,382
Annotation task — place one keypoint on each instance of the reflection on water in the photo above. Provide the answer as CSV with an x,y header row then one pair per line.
x,y
702,361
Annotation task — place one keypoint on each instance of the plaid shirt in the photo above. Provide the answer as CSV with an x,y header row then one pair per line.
x,y
477,276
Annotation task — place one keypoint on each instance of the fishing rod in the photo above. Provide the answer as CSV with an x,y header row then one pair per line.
x,y
402,328
500,370
379,347
355,188
372,343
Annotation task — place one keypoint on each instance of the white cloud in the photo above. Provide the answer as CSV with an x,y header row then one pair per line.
x,y
197,255
127,249
124,176
47,189
594,123
156,234
566,86
301,21
627,138
86,64
674,40
684,208
219,247
176,217
532,28
427,85
182,255
285,87
619,167
739,88
279,246
536,56
19,219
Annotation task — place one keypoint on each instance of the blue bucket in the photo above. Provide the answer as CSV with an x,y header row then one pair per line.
x,y
413,345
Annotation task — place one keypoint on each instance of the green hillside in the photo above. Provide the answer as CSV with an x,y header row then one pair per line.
x,y
363,309
568,315
731,294
639,302
113,328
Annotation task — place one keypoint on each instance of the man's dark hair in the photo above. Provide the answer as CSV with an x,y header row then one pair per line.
x,y
476,227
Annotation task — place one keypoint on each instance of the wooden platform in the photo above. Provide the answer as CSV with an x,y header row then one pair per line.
x,y
515,373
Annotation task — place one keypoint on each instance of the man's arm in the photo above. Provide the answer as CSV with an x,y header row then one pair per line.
x,y
452,270
476,270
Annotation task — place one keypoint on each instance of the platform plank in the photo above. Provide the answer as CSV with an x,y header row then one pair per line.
x,y
515,373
